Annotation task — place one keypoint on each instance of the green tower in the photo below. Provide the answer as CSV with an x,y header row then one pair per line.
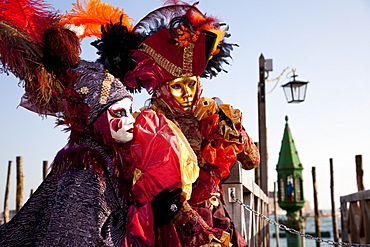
x,y
290,186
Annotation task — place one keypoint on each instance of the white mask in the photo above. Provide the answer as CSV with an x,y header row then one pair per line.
x,y
121,121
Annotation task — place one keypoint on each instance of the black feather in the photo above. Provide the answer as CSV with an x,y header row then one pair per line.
x,y
114,48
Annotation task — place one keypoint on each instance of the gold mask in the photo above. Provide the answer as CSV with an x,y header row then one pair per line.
x,y
183,90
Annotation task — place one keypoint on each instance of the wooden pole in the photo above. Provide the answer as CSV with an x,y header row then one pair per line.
x,y
262,126
276,217
19,197
359,173
45,164
316,207
7,189
257,170
333,211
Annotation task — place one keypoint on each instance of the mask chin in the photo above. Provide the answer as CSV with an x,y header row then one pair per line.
x,y
121,136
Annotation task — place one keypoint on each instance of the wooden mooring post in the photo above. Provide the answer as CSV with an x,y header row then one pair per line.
x,y
7,189
316,207
333,209
19,196
359,173
45,164
277,234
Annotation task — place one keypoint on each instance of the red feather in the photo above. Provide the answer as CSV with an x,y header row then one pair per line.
x,y
31,16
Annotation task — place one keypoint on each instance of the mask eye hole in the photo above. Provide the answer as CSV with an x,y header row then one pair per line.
x,y
192,83
120,113
176,86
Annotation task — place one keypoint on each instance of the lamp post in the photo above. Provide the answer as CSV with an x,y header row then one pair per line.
x,y
295,92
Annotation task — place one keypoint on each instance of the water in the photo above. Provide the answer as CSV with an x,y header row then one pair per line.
x,y
325,225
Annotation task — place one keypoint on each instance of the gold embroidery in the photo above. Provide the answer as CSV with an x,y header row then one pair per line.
x,y
105,88
84,90
171,68
188,58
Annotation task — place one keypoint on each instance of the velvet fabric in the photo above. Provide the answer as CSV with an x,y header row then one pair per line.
x,y
151,74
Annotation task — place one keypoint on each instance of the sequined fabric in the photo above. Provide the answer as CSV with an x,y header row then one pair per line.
x,y
79,208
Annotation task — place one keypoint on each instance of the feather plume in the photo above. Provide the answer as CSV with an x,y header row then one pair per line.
x,y
161,18
93,15
219,58
32,16
114,48
23,57
61,49
44,93
18,54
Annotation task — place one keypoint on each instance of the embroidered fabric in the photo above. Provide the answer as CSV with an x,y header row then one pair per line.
x,y
80,207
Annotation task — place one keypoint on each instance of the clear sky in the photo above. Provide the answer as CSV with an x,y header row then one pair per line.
x,y
328,42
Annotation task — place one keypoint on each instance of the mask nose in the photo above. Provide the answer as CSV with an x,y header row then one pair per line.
x,y
130,119
187,92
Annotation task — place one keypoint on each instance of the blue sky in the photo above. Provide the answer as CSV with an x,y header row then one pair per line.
x,y
328,42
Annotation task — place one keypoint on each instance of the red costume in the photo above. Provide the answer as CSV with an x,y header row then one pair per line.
x,y
179,145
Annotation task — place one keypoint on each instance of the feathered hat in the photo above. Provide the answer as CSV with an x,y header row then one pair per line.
x,y
38,47
173,41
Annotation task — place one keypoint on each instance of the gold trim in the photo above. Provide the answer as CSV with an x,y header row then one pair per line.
x,y
171,68
105,88
188,58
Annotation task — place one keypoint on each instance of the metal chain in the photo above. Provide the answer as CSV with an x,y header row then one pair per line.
x,y
290,230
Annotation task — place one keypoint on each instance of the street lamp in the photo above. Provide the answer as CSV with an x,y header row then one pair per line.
x,y
295,92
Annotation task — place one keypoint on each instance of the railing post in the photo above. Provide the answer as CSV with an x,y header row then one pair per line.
x,y
234,183
355,216
344,219
253,228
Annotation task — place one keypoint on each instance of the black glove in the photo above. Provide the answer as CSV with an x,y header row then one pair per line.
x,y
165,206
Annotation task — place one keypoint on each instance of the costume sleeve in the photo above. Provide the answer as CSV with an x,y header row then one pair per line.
x,y
231,128
193,231
250,156
140,227
79,211
162,158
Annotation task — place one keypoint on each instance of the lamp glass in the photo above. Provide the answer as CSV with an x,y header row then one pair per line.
x,y
295,91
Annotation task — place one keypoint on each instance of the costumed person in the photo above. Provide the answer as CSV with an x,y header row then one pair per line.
x,y
85,199
183,140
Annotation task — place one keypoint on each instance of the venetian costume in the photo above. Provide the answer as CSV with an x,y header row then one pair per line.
x,y
85,198
175,148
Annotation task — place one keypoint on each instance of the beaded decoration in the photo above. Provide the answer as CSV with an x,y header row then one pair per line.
x,y
105,88
171,68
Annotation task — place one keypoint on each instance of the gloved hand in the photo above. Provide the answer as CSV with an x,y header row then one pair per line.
x,y
165,206
206,107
